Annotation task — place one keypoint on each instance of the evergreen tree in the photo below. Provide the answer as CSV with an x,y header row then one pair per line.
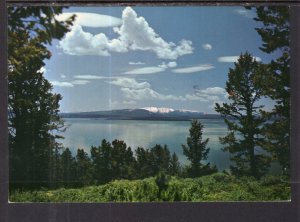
x,y
102,162
174,166
159,159
68,168
122,160
196,150
243,119
33,108
143,163
275,34
83,168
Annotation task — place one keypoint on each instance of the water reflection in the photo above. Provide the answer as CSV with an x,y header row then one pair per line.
x,y
84,133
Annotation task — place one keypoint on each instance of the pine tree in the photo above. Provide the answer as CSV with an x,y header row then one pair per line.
x,y
196,150
159,159
174,166
68,168
122,160
275,34
33,108
243,119
83,168
143,163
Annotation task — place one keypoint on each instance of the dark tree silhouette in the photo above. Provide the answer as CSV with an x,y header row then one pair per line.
x,y
243,119
275,34
33,108
196,150
174,166
83,168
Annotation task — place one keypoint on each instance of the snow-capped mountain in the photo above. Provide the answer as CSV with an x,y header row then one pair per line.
x,y
146,113
158,110
168,110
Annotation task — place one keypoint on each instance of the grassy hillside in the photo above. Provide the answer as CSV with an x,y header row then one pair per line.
x,y
216,187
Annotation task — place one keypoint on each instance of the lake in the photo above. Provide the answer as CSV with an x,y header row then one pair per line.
x,y
84,133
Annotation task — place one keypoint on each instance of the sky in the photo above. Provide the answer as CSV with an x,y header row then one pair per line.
x,y
135,57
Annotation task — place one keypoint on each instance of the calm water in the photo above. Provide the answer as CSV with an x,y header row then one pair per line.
x,y
83,133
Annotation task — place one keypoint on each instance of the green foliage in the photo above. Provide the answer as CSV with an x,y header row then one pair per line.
x,y
174,165
122,160
161,181
33,108
196,150
68,168
83,168
275,34
101,160
243,119
215,187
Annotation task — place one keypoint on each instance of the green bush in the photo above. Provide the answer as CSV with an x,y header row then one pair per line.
x,y
215,187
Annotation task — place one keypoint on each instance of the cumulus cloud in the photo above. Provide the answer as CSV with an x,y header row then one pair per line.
x,y
134,34
63,76
214,90
168,65
136,63
134,90
210,94
89,77
91,19
61,84
207,46
79,42
193,69
147,93
129,83
234,59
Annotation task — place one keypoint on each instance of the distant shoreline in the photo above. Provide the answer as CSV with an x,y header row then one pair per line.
x,y
141,114
144,119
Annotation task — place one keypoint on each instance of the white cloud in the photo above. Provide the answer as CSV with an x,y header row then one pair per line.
x,y
152,69
193,69
61,84
63,76
89,77
79,42
213,90
234,59
145,70
42,70
168,65
136,63
134,90
172,64
210,94
129,83
138,35
125,103
147,93
80,82
134,34
207,46
91,19
244,12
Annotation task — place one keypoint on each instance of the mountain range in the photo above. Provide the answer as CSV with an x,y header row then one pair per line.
x,y
146,113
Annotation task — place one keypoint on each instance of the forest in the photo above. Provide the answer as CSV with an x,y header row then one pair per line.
x,y
41,169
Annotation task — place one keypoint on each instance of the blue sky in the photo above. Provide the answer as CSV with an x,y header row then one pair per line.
x,y
134,57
